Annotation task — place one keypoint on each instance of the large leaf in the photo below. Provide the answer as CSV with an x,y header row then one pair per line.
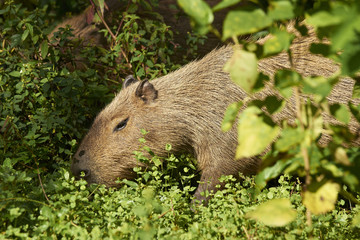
x,y
255,132
274,213
224,4
279,10
289,138
321,199
340,112
356,220
200,12
319,86
279,42
244,21
242,67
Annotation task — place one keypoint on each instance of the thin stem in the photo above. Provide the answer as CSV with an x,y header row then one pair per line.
x,y
102,20
304,151
109,30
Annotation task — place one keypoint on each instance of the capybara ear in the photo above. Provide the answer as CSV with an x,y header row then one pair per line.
x,y
146,91
128,81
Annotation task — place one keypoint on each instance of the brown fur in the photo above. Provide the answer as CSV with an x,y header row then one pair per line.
x,y
185,108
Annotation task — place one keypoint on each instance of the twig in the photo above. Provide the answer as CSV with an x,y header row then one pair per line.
x,y
122,20
109,30
102,20
246,233
171,209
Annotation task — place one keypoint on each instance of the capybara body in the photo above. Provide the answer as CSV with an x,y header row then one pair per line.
x,y
185,108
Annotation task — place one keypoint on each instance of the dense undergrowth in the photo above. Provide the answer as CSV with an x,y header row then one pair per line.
x,y
47,105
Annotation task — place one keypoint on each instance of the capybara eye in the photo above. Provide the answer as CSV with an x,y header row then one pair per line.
x,y
121,125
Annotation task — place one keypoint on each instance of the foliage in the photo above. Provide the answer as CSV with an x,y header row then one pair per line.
x,y
51,89
326,171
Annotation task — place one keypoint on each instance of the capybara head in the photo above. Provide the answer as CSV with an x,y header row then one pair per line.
x,y
106,152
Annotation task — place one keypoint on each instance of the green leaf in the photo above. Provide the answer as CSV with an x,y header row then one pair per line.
x,y
269,173
224,4
244,21
101,5
320,86
280,10
156,161
320,48
356,220
323,19
130,183
340,112
242,67
15,74
44,49
200,12
230,116
274,213
273,104
321,199
279,42
255,132
25,34
289,138
285,80
355,110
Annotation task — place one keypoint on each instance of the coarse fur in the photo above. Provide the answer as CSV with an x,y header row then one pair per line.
x,y
185,108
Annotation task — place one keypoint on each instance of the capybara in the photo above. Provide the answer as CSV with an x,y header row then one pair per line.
x,y
185,108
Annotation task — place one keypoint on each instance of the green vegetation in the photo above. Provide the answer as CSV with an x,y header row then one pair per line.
x,y
47,103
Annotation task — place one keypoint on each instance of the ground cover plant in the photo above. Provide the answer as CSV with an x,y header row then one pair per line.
x,y
47,104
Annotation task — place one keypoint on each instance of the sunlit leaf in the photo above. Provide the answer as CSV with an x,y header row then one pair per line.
x,y
255,132
279,10
274,213
356,220
200,12
321,199
322,19
244,21
289,138
230,116
320,86
224,4
242,67
340,112
279,42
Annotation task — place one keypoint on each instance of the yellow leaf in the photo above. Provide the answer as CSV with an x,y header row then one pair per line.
x,y
323,199
274,213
